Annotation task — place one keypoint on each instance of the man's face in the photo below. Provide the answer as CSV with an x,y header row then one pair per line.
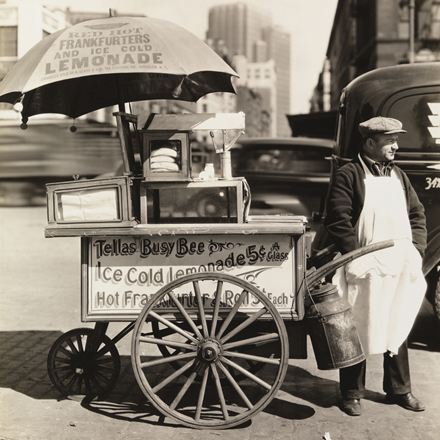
x,y
382,148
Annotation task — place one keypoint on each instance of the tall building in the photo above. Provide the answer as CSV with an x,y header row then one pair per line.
x,y
239,25
278,49
246,30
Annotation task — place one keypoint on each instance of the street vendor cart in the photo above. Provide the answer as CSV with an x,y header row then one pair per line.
x,y
214,298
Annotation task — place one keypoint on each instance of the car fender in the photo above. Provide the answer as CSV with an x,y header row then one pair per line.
x,y
432,253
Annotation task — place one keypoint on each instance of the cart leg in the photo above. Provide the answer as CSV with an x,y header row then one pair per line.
x,y
95,341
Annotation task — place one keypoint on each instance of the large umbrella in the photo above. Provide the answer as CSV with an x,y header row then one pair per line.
x,y
100,63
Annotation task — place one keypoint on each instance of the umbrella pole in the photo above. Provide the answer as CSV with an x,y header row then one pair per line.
x,y
123,121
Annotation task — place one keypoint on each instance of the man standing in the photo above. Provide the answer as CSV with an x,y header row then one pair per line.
x,y
372,200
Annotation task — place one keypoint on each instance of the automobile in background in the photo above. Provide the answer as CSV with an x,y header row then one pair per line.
x,y
49,152
411,94
285,175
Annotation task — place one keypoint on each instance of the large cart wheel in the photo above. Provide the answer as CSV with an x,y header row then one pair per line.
x,y
228,325
79,366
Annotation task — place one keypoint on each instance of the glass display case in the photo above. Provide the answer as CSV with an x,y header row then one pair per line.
x,y
217,201
96,202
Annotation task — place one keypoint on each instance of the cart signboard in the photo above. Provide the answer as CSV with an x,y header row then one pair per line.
x,y
121,274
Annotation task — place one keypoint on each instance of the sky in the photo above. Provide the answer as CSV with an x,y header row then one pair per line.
x,y
309,23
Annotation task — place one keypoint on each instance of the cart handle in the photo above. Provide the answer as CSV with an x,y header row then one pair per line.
x,y
313,275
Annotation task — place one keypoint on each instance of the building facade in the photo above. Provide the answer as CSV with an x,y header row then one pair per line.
x,y
368,34
278,50
22,24
243,30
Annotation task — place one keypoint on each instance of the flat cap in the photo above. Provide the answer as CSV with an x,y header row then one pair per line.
x,y
380,125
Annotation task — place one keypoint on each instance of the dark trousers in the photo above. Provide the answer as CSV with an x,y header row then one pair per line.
x,y
396,376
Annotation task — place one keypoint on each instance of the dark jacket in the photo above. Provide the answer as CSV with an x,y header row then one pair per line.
x,y
346,201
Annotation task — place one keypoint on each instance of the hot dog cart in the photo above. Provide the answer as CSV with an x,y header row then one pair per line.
x,y
215,298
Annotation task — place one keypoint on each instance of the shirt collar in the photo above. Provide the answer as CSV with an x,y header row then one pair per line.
x,y
378,168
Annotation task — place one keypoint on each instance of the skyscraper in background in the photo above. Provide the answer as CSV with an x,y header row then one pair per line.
x,y
278,49
245,30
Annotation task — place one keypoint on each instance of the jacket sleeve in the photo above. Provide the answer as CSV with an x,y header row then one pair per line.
x,y
417,219
339,221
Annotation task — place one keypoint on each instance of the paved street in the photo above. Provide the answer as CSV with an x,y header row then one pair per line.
x,y
40,299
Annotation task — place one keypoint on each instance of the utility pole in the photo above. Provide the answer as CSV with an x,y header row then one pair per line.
x,y
411,31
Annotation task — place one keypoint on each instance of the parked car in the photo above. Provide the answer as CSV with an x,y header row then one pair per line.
x,y
285,175
411,94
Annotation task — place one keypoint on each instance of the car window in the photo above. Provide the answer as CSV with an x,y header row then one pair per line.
x,y
418,114
273,159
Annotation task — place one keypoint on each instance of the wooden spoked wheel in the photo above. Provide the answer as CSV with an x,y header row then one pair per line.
x,y
214,327
77,368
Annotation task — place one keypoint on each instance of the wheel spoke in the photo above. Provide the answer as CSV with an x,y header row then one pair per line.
x,y
60,369
251,357
243,325
247,373
68,353
173,376
104,361
236,386
231,314
94,381
149,340
185,314
175,327
257,340
218,295
220,392
71,382
72,346
63,360
183,390
164,332
102,377
201,394
166,360
79,340
100,353
68,374
201,308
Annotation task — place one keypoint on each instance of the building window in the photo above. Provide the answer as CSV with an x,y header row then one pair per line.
x,y
257,73
403,24
8,41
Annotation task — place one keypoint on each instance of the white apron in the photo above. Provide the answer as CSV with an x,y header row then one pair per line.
x,y
385,288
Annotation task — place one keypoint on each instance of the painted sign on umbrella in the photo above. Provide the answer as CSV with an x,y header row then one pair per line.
x,y
99,63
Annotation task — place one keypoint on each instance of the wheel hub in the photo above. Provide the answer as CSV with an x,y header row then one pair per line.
x,y
210,350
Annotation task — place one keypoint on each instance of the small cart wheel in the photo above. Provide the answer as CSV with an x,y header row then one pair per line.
x,y
76,368
228,323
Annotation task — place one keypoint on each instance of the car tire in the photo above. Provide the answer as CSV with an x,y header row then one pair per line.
x,y
437,298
